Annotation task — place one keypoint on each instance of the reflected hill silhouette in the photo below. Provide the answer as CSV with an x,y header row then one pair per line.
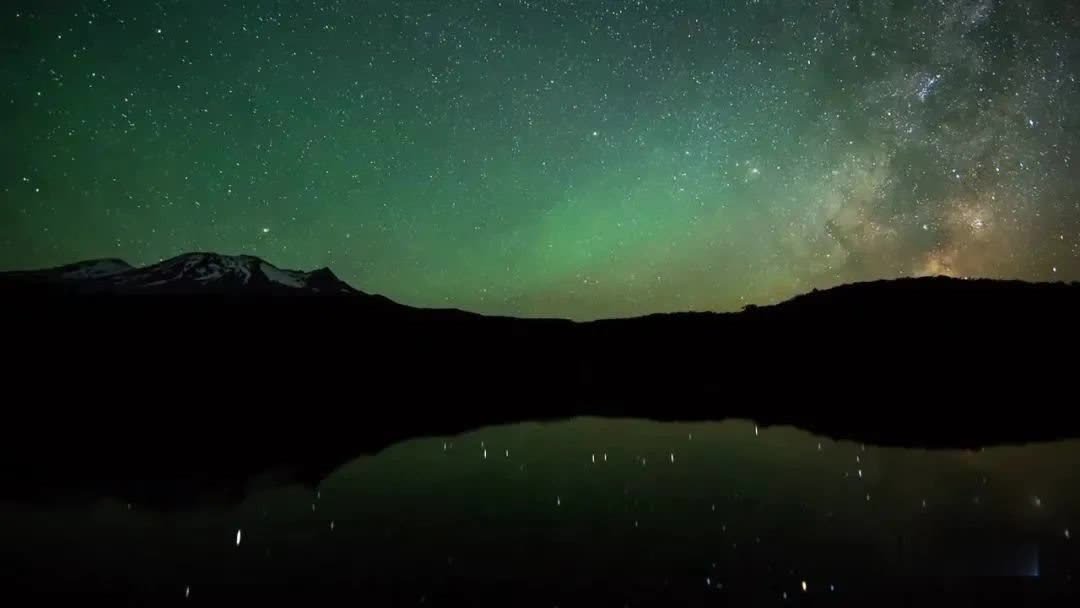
x,y
171,392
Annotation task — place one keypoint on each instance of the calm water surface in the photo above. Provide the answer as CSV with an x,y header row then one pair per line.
x,y
623,508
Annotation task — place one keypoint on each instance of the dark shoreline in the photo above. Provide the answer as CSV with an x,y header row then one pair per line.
x,y
216,388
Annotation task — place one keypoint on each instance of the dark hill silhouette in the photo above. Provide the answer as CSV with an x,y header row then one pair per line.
x,y
205,369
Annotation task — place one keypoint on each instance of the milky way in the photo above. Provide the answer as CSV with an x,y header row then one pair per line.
x,y
548,157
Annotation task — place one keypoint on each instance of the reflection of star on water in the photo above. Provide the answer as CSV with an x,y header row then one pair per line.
x,y
1034,570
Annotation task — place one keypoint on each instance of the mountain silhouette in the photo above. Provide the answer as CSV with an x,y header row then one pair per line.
x,y
214,367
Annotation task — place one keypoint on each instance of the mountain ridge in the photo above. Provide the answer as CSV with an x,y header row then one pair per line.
x,y
204,272
947,336
193,273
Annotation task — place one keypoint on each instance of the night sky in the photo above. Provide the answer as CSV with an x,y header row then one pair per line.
x,y
579,158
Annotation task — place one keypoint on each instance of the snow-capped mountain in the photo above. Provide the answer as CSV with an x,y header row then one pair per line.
x,y
191,273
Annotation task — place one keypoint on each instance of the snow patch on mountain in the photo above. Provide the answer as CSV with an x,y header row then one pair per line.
x,y
284,277
198,267
210,267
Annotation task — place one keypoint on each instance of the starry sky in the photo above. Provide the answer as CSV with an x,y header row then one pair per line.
x,y
576,158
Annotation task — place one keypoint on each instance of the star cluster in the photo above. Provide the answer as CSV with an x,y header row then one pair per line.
x,y
558,157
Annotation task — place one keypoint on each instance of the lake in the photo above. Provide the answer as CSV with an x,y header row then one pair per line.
x,y
624,511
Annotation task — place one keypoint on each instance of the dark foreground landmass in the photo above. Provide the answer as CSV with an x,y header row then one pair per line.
x,y
210,369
